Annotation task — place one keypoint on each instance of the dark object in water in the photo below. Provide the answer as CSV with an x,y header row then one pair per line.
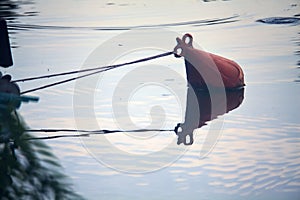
x,y
279,20
205,69
5,52
216,86
10,98
7,86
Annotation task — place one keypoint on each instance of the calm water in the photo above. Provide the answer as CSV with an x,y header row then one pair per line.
x,y
257,152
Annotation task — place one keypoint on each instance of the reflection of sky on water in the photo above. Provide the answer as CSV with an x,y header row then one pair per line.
x,y
257,155
251,170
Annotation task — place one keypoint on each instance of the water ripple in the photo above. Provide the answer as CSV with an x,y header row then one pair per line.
x,y
249,163
206,22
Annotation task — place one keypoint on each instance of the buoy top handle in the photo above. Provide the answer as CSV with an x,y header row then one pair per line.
x,y
182,44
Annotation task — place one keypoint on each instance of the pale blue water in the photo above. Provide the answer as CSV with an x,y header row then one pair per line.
x,y
257,155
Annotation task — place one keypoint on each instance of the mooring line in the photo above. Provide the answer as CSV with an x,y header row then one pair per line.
x,y
59,74
86,133
94,69
59,82
56,136
97,70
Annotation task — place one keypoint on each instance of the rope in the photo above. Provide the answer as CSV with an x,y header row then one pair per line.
x,y
58,74
59,82
97,70
93,69
86,133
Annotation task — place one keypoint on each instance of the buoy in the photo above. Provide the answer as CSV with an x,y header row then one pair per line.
x,y
206,69
5,52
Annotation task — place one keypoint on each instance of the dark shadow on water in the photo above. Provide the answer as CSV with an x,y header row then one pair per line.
x,y
9,9
11,12
279,20
297,52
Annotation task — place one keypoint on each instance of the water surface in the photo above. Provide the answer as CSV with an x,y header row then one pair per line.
x,y
256,156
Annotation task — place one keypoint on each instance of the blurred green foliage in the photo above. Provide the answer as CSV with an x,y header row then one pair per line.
x,y
28,169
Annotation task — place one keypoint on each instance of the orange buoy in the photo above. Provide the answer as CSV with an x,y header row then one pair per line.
x,y
206,69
